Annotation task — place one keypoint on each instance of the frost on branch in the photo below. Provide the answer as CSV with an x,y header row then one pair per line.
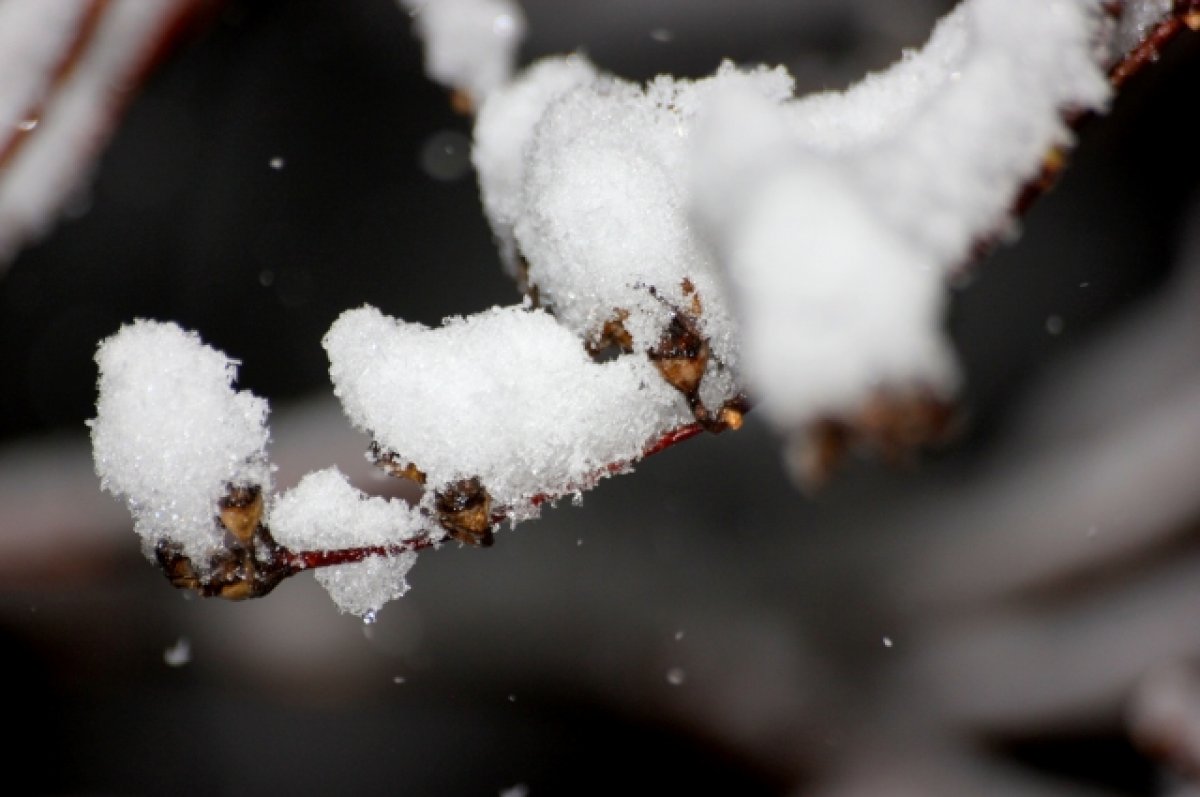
x,y
680,244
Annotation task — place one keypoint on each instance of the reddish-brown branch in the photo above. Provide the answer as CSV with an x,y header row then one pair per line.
x,y
293,562
297,561
671,438
1186,15
189,16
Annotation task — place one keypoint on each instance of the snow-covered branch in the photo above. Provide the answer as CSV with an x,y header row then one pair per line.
x,y
682,245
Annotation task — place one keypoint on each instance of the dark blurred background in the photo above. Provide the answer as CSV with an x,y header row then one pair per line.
x,y
701,626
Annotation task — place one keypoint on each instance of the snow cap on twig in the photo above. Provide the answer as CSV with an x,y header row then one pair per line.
x,y
171,435
324,512
503,130
840,216
601,217
508,396
835,305
470,45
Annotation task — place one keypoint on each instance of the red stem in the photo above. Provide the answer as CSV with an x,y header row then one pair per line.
x,y
1148,49
296,561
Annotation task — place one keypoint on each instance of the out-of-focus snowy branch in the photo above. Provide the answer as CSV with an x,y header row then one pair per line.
x,y
67,70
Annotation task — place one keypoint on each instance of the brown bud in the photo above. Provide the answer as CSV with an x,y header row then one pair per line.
x,y
613,339
731,418
393,465
177,567
681,355
816,452
241,511
461,103
464,510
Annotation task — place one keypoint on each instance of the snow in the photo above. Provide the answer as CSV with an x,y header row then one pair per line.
x,y
808,241
840,217
837,306
508,396
364,587
503,130
518,790
325,512
604,214
178,654
1138,17
950,175
603,221
875,107
835,224
470,45
171,434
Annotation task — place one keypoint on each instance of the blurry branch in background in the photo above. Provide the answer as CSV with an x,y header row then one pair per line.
x,y
1055,589
69,70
